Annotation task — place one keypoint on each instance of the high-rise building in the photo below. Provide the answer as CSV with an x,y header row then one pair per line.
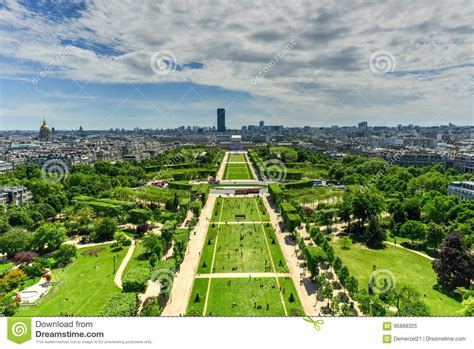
x,y
362,126
262,124
220,120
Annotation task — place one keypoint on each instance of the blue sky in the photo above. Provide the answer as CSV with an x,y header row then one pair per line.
x,y
103,64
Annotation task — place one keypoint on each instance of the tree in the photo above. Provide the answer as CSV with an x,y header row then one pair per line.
x,y
467,307
370,304
413,230
408,302
26,257
48,237
153,244
8,306
105,229
142,229
455,265
15,240
435,235
375,235
65,255
365,203
120,238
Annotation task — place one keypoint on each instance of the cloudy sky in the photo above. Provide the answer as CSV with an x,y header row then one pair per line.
x,y
162,64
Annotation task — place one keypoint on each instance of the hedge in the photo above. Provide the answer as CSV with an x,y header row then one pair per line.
x,y
180,185
135,280
121,304
300,184
293,221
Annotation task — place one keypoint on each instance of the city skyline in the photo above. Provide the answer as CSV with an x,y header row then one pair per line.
x,y
315,65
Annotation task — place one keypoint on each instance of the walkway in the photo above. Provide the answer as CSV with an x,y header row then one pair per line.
x,y
242,275
307,289
118,274
414,251
252,170
184,279
221,172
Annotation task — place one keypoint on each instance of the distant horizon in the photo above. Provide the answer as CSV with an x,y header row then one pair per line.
x,y
228,128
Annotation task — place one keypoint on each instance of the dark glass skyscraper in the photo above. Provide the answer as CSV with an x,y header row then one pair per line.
x,y
221,120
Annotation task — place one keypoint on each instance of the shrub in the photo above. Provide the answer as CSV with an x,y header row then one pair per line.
x,y
142,229
151,307
24,257
135,280
65,255
121,304
12,280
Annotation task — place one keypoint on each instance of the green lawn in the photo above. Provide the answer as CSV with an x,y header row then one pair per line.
x,y
245,297
5,267
137,258
237,172
237,158
241,248
239,210
88,283
408,269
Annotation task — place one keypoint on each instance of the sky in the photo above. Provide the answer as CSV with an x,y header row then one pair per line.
x,y
162,64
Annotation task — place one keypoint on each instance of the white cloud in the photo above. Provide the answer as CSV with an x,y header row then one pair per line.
x,y
235,40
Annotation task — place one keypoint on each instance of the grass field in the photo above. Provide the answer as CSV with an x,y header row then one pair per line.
x,y
237,172
245,297
243,242
5,267
88,284
408,269
239,210
242,248
237,158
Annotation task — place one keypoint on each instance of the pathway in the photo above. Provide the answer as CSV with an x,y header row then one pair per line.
x,y
414,251
221,172
242,275
118,274
306,289
252,170
184,279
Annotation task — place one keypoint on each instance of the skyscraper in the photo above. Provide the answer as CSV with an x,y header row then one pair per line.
x,y
220,120
262,124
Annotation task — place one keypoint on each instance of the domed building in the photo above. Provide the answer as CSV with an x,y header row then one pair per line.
x,y
45,132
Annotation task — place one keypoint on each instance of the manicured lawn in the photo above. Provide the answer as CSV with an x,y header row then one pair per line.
x,y
245,297
408,269
199,287
239,210
245,247
237,172
137,258
87,285
241,248
236,158
5,267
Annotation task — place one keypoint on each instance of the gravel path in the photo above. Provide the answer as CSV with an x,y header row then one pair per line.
x,y
118,274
